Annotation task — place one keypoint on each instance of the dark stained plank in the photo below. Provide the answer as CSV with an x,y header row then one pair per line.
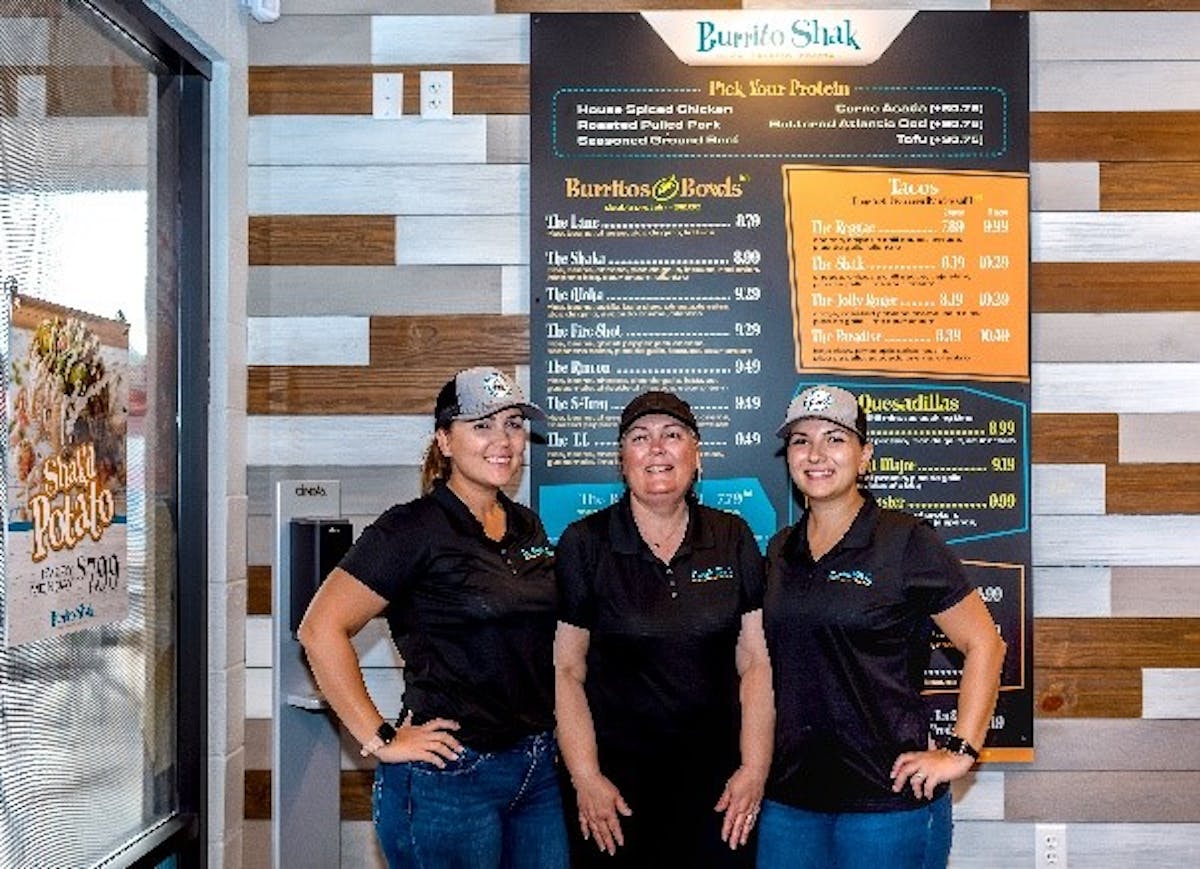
x,y
257,795
259,597
356,794
328,390
1103,797
1098,136
1074,438
479,89
443,342
323,240
1114,287
1152,488
1116,643
1083,693
1150,186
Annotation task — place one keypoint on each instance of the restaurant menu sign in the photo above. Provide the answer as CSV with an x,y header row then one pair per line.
x,y
734,205
64,499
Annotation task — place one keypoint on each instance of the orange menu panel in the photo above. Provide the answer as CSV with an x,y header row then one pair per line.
x,y
901,271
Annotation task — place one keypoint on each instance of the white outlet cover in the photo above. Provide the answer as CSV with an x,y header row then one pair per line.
x,y
437,93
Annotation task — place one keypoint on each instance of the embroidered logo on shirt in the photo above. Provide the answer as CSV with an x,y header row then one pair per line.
x,y
712,574
858,577
531,552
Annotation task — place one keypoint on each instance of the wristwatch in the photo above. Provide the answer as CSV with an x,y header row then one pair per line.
x,y
955,744
384,735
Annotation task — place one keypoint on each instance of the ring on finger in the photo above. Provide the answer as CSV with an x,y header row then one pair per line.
x,y
918,776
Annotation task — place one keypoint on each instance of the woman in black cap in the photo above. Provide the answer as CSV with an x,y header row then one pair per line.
x,y
465,577
663,689
851,592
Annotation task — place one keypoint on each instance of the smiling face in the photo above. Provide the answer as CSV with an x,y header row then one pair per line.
x,y
825,460
659,457
485,453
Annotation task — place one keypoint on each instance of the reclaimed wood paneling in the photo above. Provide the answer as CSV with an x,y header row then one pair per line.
x,y
336,440
1064,186
508,139
1068,489
1080,693
449,188
1116,744
1128,387
1116,643
1116,540
259,600
486,89
308,341
1150,186
1165,796
1129,337
448,343
388,7
1156,591
473,240
364,290
611,5
1072,592
1127,236
377,390
1171,693
1114,86
334,140
441,39
313,41
322,240
1133,36
1160,437
1114,136
1074,437
1114,287
1154,488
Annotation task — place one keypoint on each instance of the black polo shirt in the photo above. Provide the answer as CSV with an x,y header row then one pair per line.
x,y
473,618
660,661
849,642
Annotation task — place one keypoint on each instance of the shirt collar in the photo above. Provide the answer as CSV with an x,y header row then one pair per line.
x,y
464,520
627,540
857,536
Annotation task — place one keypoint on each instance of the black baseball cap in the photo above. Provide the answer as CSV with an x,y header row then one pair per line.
x,y
657,401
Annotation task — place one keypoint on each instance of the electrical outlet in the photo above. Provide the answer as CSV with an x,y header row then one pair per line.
x,y
387,94
437,93
1050,846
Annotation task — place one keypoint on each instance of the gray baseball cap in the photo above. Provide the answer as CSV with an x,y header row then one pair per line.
x,y
830,403
478,392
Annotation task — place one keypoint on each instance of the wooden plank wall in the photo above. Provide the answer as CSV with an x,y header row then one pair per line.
x,y
386,253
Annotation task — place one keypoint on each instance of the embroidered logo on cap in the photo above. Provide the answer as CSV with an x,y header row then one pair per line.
x,y
818,401
497,385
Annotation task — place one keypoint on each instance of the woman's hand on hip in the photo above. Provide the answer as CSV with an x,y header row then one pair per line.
x,y
600,809
740,801
923,771
432,742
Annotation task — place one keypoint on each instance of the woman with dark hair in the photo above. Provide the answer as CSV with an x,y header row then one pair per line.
x,y
663,690
466,776
853,591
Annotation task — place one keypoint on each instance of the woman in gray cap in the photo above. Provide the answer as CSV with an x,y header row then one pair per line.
x,y
466,776
852,589
663,684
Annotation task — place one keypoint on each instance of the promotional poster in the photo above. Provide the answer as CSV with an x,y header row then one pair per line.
x,y
737,205
65,463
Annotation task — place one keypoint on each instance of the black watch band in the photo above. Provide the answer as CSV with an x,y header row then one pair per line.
x,y
955,744
386,733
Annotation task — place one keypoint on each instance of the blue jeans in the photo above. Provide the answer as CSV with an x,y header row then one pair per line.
x,y
483,811
799,839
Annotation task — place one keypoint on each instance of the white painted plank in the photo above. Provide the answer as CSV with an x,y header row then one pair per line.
x,y
1072,592
1064,186
432,189
1153,592
1170,693
1095,36
979,796
1132,846
992,845
1115,236
434,39
1130,387
384,684
336,440
514,290
1066,490
388,7
1116,540
305,40
1114,86
1159,437
315,140
373,644
508,138
308,340
26,42
462,240
1161,336
374,290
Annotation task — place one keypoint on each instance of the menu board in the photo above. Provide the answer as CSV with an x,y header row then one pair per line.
x,y
734,205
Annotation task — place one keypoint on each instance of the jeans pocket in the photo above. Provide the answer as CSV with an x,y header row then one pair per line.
x,y
464,764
